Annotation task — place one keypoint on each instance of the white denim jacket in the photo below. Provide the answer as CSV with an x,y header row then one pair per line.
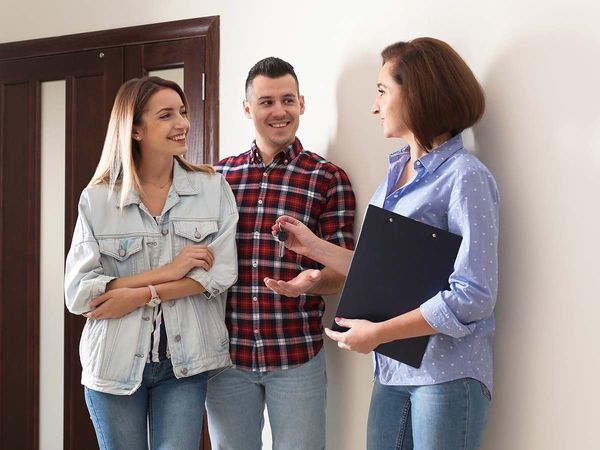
x,y
108,243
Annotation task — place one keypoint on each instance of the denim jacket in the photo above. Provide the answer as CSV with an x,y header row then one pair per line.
x,y
107,243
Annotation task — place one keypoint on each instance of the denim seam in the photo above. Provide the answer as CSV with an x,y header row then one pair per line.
x,y
150,421
402,431
100,433
466,383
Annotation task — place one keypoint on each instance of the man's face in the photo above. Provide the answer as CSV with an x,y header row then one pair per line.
x,y
275,107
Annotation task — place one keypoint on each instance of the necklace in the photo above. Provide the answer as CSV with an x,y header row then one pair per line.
x,y
168,183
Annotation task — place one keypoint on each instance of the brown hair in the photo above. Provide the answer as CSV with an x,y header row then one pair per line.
x,y
440,93
121,153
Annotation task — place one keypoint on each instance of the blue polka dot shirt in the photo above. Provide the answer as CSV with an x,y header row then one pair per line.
x,y
454,191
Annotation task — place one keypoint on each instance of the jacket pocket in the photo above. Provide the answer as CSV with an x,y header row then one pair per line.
x,y
122,256
91,345
193,232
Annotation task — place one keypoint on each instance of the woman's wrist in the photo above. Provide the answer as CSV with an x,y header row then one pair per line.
x,y
144,295
167,273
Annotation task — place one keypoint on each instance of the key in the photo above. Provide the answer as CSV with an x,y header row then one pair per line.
x,y
282,237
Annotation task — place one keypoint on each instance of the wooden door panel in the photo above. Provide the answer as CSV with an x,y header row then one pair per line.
x,y
19,243
89,100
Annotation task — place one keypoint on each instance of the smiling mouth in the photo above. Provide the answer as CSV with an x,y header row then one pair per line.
x,y
279,124
180,138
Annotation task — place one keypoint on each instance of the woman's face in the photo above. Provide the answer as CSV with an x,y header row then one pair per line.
x,y
165,125
389,104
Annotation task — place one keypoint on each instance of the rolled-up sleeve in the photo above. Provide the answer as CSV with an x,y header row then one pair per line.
x,y
224,270
84,276
473,214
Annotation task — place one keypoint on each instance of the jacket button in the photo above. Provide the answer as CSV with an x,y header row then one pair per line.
x,y
184,371
139,355
197,235
122,252
164,231
146,318
177,338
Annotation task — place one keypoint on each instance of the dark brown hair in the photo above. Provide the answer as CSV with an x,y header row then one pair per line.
x,y
440,93
271,67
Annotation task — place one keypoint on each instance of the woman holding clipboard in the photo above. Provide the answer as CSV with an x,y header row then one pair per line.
x,y
427,96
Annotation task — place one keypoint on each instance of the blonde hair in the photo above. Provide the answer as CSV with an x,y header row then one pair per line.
x,y
121,153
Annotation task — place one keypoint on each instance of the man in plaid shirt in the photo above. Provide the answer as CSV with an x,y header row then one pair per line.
x,y
274,311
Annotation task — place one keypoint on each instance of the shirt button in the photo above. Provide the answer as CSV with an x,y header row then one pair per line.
x,y
257,234
215,291
164,231
418,163
254,263
254,299
184,371
265,174
260,202
255,331
122,252
178,338
146,318
171,304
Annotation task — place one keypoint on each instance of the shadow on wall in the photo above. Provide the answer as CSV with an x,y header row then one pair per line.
x,y
540,137
361,150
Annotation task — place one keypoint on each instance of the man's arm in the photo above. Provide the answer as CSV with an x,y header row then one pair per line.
x,y
310,281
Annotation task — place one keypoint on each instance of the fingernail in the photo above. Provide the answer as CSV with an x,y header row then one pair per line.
x,y
337,319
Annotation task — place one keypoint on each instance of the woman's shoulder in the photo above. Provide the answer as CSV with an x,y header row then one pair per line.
x,y
465,164
200,178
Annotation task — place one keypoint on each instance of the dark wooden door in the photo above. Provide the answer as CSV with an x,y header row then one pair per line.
x,y
92,79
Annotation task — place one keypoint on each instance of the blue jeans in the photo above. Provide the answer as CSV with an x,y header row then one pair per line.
x,y
172,408
446,416
295,400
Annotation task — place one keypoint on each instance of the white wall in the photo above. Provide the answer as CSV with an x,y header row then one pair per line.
x,y
538,62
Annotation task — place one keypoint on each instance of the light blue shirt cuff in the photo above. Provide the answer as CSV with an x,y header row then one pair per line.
x,y
437,314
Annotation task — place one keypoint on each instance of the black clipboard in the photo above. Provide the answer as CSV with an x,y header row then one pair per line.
x,y
398,264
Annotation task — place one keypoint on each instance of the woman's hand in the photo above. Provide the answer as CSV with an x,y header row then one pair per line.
x,y
118,302
300,239
362,336
190,257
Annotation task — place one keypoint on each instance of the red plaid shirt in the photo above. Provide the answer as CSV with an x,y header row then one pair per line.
x,y
269,331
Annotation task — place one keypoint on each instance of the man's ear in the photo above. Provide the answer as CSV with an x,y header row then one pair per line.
x,y
246,106
301,102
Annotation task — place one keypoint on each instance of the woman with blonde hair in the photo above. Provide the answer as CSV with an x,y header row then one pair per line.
x,y
427,96
152,255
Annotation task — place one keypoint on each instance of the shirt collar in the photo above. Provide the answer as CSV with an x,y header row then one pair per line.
x,y
285,156
182,185
434,159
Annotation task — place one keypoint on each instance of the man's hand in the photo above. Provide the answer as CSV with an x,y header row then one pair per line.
x,y
118,302
301,284
190,257
362,336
